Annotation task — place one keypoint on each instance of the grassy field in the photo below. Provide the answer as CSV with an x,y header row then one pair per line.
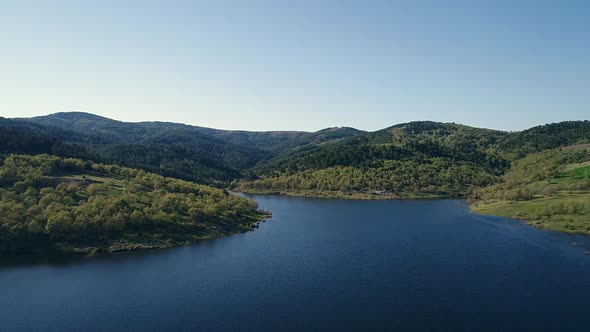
x,y
574,172
90,178
563,210
556,212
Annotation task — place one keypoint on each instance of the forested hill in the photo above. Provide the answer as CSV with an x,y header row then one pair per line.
x,y
195,139
549,136
48,203
201,163
166,132
413,159
193,153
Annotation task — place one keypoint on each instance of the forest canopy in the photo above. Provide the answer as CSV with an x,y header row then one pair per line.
x,y
72,204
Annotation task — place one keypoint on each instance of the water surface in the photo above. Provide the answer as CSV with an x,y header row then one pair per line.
x,y
330,265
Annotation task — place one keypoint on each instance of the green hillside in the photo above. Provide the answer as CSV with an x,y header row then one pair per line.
x,y
204,155
203,164
179,150
549,189
549,136
415,159
124,132
52,204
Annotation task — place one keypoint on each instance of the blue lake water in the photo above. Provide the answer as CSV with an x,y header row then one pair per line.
x,y
321,265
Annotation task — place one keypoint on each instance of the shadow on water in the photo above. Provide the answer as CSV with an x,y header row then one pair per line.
x,y
57,259
519,230
510,227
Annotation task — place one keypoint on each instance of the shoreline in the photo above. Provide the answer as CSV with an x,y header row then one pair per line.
x,y
343,195
476,208
521,211
118,246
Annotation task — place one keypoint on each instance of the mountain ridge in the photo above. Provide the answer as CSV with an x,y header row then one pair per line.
x,y
177,149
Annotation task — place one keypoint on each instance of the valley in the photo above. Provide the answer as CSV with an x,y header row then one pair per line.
x,y
122,186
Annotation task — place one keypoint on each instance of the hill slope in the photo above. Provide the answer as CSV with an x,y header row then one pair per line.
x,y
549,189
124,132
194,153
153,133
48,203
413,159
549,136
176,160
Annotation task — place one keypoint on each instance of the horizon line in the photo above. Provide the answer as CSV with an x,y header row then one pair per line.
x,y
286,130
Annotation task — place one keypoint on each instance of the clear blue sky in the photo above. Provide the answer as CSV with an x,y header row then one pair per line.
x,y
304,65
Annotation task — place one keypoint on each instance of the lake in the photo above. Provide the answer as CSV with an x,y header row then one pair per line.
x,y
320,265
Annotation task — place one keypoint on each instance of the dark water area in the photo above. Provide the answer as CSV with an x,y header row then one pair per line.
x,y
320,265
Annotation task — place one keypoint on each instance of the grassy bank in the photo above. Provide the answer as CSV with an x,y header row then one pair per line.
x,y
548,190
565,212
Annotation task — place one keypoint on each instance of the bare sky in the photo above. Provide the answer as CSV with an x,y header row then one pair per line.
x,y
300,65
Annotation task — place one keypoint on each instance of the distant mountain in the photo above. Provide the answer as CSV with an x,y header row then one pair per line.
x,y
63,134
318,138
187,152
14,141
170,160
548,136
160,132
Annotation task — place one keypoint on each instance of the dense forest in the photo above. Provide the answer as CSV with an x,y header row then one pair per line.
x,y
419,158
191,157
64,204
203,155
436,177
413,159
550,136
